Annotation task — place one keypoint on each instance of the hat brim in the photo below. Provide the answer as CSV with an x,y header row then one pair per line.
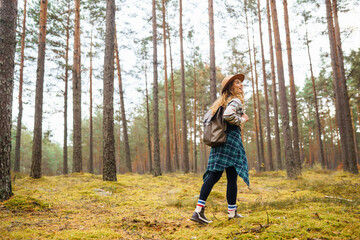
x,y
239,76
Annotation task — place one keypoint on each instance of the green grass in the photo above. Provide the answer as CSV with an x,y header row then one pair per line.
x,y
318,205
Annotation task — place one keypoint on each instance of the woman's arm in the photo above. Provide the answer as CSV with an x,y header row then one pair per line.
x,y
230,113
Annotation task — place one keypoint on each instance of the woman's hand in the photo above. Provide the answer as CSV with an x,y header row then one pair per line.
x,y
246,118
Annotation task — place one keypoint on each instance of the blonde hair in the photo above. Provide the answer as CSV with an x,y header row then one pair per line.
x,y
225,98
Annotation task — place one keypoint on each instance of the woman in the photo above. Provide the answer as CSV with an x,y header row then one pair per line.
x,y
230,156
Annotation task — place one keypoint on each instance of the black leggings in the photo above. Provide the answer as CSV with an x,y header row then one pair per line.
x,y
214,177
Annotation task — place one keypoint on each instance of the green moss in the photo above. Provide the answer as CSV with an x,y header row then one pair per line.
x,y
144,207
25,203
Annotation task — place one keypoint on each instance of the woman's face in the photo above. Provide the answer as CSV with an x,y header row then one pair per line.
x,y
237,87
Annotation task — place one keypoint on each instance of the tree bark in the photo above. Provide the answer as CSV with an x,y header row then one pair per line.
x,y
37,144
8,16
65,152
167,147
176,150
268,131
253,88
123,114
274,93
183,102
289,155
77,152
358,114
262,157
157,168
212,52
345,97
21,81
294,118
148,123
336,80
109,166
333,165
354,136
91,161
195,150
318,123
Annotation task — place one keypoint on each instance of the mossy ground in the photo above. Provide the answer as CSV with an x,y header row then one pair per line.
x,y
318,205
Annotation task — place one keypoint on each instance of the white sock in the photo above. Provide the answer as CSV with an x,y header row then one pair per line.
x,y
200,205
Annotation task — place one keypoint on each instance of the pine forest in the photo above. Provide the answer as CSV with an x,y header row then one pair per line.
x,y
102,106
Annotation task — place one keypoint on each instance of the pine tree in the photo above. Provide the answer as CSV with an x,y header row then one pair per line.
x,y
253,88
37,140
259,123
318,123
294,117
183,100
122,106
176,149
157,168
167,146
270,161
8,16
77,149
274,93
212,52
21,81
289,154
66,80
109,167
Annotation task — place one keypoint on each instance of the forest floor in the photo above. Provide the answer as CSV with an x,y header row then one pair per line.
x,y
318,205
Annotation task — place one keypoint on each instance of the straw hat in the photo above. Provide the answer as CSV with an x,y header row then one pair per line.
x,y
228,80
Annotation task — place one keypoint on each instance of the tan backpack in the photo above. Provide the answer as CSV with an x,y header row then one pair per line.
x,y
214,128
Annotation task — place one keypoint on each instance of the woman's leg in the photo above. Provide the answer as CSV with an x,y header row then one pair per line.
x,y
199,215
209,184
231,192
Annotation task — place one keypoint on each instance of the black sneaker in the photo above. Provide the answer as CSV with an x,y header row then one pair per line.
x,y
199,217
236,215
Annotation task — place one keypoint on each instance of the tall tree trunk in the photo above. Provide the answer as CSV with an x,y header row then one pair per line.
x,y
318,124
274,93
310,144
122,105
262,157
157,168
195,150
253,88
77,153
336,80
268,131
212,52
339,144
21,80
109,167
8,18
332,140
36,148
167,147
345,97
176,150
183,102
91,162
358,114
148,122
354,136
65,151
294,118
289,155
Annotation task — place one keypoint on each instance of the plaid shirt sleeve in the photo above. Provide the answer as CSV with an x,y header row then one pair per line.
x,y
232,112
